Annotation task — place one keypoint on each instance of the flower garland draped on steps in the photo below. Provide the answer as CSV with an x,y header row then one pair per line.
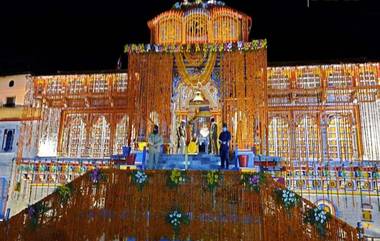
x,y
115,208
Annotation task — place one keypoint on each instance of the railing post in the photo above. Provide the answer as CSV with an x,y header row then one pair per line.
x,y
186,159
143,158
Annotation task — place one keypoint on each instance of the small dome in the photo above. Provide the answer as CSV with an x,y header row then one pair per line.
x,y
200,22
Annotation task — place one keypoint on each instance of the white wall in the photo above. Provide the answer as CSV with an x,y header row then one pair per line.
x,y
18,90
6,158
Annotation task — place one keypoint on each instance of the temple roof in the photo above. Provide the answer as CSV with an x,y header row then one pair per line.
x,y
200,22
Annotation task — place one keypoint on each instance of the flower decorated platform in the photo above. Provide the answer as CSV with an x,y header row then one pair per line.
x,y
173,205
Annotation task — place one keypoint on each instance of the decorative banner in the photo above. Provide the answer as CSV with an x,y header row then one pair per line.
x,y
223,47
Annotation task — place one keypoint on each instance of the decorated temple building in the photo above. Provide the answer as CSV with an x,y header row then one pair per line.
x,y
322,121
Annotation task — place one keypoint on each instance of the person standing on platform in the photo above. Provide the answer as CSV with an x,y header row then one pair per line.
x,y
182,137
224,139
214,137
155,142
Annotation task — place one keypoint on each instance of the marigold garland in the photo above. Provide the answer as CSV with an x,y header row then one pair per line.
x,y
222,47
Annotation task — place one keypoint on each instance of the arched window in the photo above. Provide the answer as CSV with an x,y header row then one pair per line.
x,y
121,135
74,139
278,138
100,138
307,140
339,138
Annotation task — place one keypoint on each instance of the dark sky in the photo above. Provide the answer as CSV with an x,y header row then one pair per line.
x,y
46,36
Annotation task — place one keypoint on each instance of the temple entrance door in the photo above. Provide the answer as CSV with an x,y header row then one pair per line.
x,y
195,106
200,126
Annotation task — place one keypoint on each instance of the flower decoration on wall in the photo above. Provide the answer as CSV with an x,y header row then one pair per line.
x,y
176,177
205,48
64,193
140,179
176,219
34,214
213,179
253,181
287,198
97,176
319,218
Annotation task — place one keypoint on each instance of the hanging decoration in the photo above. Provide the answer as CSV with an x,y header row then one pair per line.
x,y
187,4
196,80
205,48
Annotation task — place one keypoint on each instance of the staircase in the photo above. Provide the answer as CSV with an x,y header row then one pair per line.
x,y
115,209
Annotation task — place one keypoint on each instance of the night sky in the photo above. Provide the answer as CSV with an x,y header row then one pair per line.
x,y
49,36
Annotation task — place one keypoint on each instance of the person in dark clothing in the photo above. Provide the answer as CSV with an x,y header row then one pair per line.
x,y
224,140
214,137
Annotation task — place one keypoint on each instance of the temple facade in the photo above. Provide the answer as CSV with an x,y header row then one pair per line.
x,y
321,120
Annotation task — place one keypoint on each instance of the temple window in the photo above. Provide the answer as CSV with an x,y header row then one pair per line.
x,y
54,87
74,139
278,138
278,80
307,140
308,80
196,28
367,78
121,83
76,86
339,80
121,136
339,139
99,84
100,138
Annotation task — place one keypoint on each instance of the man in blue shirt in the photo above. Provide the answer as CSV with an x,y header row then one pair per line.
x,y
224,140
